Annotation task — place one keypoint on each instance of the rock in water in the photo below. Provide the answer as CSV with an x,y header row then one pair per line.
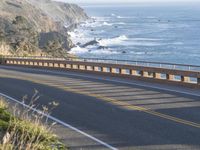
x,y
102,47
93,42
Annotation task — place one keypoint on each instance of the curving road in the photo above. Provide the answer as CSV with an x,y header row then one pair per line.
x,y
124,114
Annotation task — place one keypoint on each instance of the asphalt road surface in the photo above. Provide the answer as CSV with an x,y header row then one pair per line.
x,y
124,114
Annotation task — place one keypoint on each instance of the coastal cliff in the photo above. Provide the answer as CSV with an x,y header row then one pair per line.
x,y
37,27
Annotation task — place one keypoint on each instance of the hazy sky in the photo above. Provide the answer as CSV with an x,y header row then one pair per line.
x,y
126,1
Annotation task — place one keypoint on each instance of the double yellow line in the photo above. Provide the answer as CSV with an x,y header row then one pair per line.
x,y
115,102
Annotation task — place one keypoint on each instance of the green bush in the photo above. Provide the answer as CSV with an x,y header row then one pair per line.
x,y
26,132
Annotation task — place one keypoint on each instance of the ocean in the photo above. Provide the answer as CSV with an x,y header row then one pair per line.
x,y
158,33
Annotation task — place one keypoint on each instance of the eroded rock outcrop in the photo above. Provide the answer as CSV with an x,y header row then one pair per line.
x,y
37,27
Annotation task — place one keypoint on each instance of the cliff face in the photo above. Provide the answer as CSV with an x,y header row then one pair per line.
x,y
64,13
37,27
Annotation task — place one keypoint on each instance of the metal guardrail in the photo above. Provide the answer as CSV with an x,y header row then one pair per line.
x,y
164,65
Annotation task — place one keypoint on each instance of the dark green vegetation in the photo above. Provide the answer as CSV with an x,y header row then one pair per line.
x,y
24,132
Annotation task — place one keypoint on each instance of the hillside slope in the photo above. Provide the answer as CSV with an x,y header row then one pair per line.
x,y
37,27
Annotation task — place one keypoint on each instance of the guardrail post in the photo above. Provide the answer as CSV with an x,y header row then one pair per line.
x,y
185,79
156,75
169,77
144,74
104,69
133,72
96,68
123,71
82,67
89,68
113,70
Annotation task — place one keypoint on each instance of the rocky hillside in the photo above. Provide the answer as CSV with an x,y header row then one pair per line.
x,y
37,27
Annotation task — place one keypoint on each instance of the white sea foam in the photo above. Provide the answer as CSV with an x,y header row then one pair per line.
x,y
113,41
177,43
90,24
92,49
101,19
104,51
78,50
126,17
107,24
119,17
120,23
96,23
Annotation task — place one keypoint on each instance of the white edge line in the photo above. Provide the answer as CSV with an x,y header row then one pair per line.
x,y
60,122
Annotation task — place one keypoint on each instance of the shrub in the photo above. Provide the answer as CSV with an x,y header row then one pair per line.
x,y
26,130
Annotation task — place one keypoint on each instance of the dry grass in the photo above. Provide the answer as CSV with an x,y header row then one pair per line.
x,y
24,129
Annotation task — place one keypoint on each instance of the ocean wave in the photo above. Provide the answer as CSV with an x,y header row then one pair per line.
x,y
113,41
107,24
90,24
79,36
177,43
92,50
95,23
94,18
126,17
78,50
120,23
104,51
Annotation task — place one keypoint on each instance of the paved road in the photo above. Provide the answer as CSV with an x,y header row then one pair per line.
x,y
119,112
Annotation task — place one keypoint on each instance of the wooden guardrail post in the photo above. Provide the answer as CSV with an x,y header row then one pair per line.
x,y
96,68
144,74
123,71
157,75
170,77
113,70
133,72
185,79
104,69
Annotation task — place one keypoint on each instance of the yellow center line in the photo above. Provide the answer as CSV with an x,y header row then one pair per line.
x,y
130,107
109,100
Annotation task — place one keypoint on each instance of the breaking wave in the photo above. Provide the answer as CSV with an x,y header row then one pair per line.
x,y
113,41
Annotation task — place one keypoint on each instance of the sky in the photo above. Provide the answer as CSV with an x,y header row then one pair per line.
x,y
128,1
